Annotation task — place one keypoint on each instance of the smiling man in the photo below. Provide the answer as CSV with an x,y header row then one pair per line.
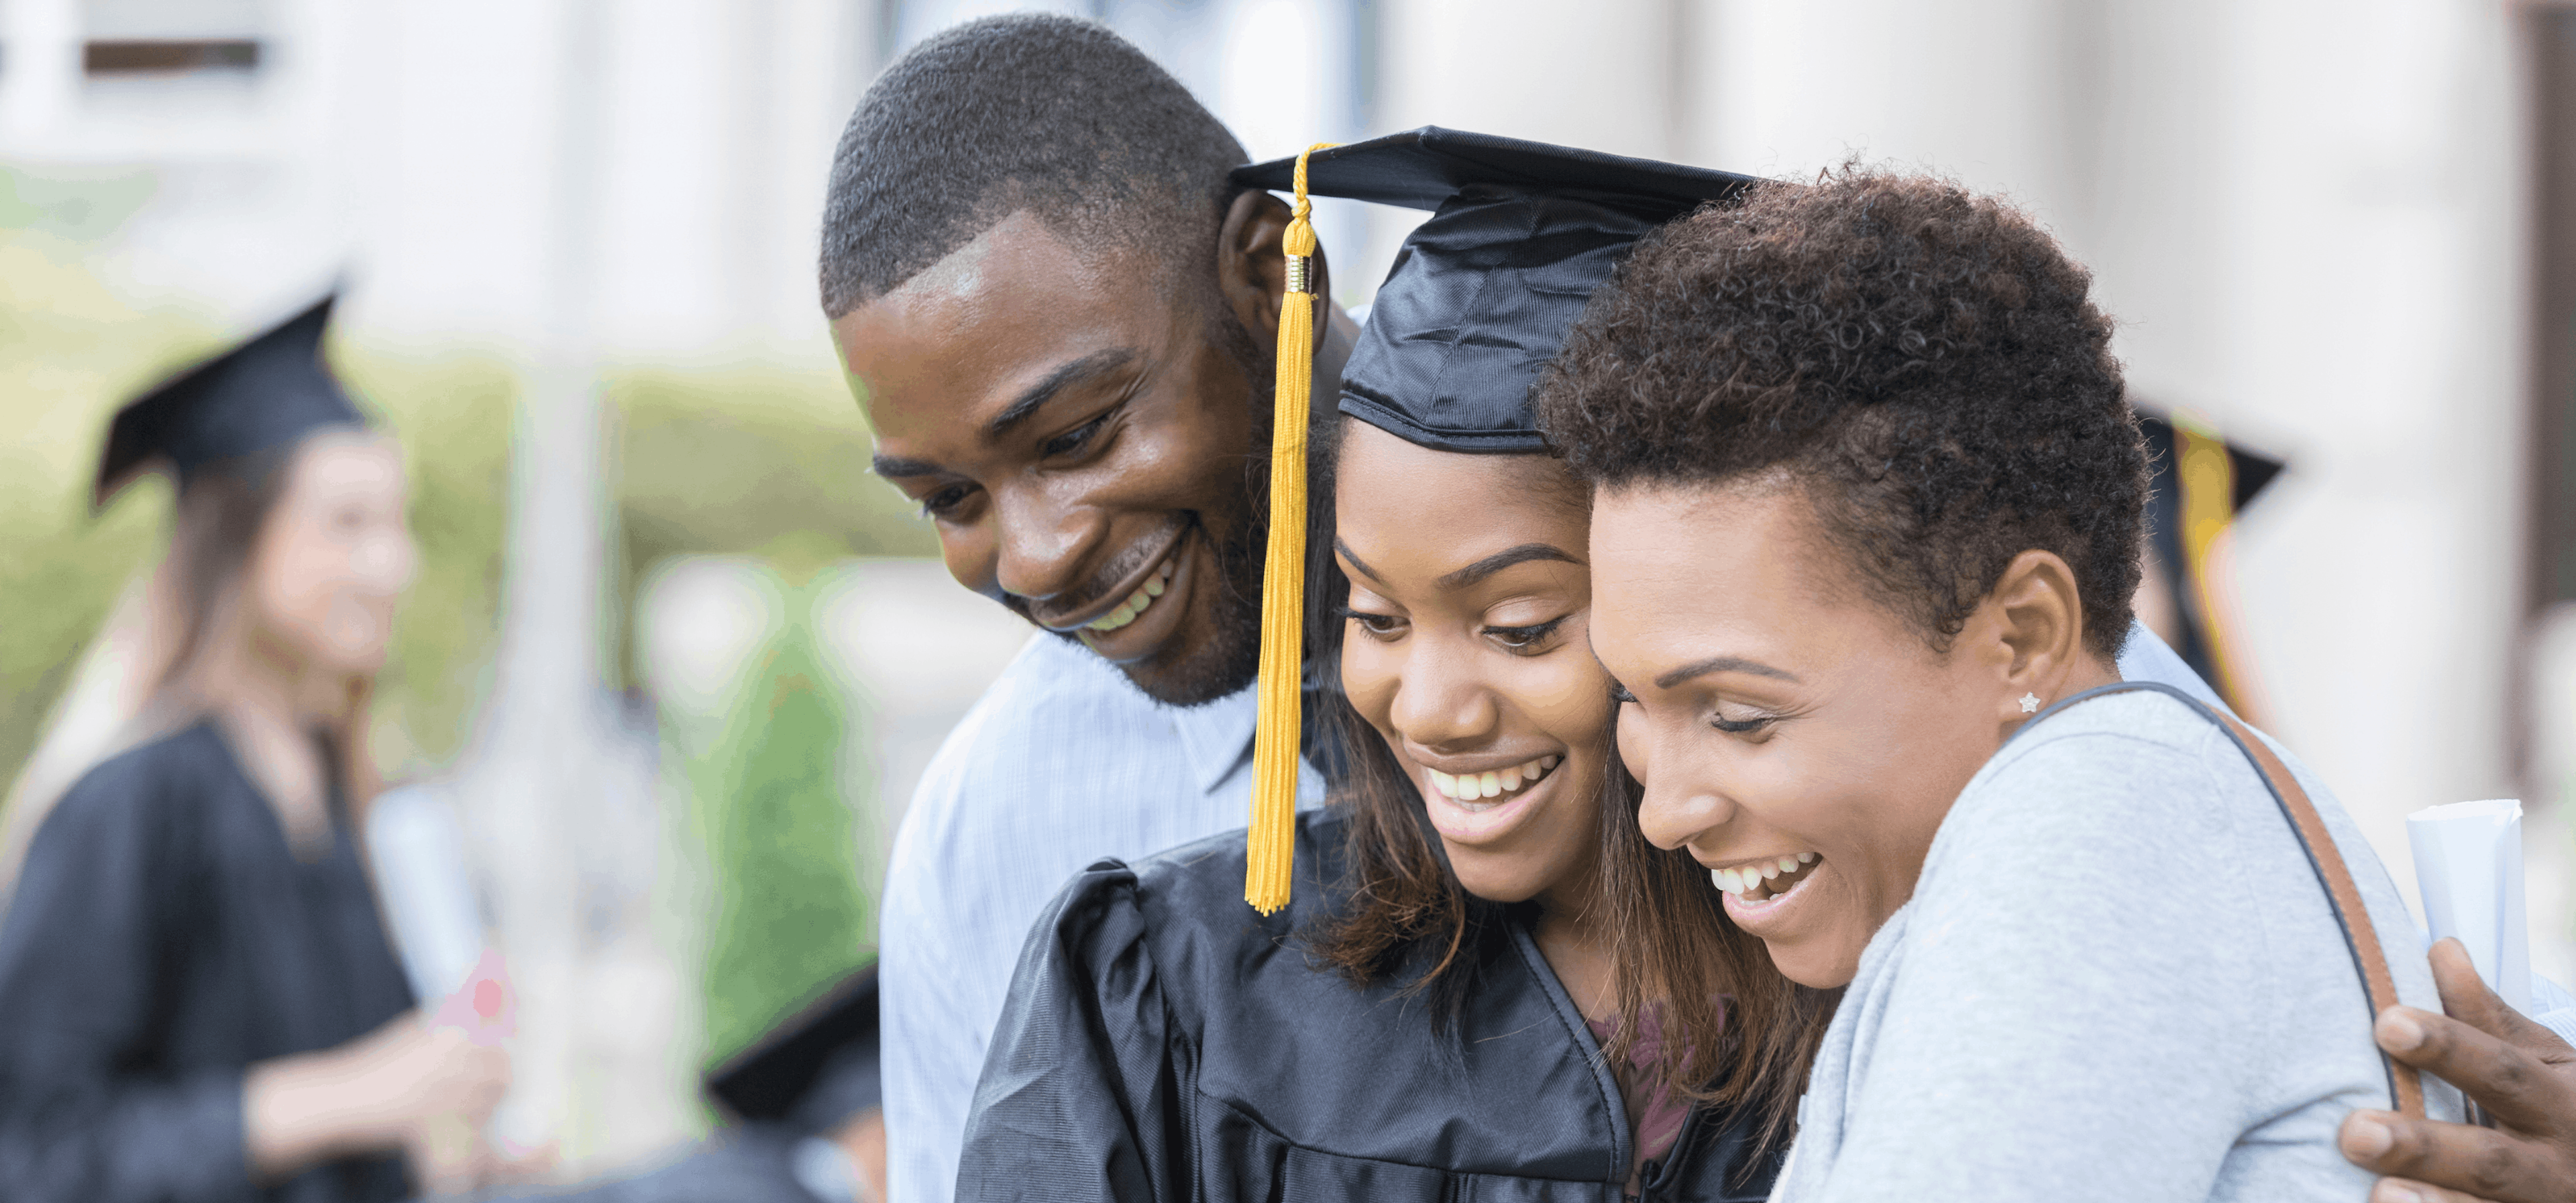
x,y
1057,314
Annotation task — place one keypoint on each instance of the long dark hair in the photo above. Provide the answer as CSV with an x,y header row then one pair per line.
x,y
1674,951
223,510
1733,1030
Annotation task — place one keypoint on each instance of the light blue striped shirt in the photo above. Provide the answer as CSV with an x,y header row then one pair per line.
x,y
1060,763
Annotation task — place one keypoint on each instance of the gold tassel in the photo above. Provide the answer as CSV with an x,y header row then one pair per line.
x,y
1272,847
2207,475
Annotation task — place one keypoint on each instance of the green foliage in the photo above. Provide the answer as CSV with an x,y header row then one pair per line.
x,y
791,916
770,464
68,346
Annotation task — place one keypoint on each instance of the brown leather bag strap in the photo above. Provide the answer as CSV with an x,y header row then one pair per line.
x,y
2380,989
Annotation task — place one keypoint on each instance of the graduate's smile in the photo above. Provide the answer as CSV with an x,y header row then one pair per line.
x,y
1136,616
1478,804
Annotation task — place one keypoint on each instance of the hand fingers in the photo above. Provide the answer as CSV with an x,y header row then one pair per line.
x,y
2399,1190
2465,996
2474,1163
2508,1082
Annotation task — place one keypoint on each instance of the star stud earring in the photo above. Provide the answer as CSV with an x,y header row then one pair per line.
x,y
2030,703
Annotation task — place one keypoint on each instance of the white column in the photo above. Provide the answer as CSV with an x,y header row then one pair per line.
x,y
40,78
1605,76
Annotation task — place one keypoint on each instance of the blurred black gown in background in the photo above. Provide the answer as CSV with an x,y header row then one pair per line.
x,y
162,938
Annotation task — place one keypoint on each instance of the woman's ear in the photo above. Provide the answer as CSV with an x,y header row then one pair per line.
x,y
2034,633
1251,270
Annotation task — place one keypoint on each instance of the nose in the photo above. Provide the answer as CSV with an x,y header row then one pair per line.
x,y
1044,545
1679,806
1440,703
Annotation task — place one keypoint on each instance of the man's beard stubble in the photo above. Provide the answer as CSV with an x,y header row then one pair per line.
x,y
1230,659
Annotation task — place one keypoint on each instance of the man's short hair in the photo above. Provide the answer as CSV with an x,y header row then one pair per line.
x,y
1924,363
1045,113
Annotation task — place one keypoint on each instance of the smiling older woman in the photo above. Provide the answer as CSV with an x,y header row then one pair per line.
x,y
1869,499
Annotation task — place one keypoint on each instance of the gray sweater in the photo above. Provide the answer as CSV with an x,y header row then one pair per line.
x,y
2118,978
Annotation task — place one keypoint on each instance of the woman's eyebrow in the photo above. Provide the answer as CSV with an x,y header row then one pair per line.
x,y
1501,560
1356,562
1722,664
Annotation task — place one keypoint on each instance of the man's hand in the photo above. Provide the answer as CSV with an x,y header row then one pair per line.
x,y
2520,1072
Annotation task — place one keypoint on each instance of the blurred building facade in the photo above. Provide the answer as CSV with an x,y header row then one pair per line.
x,y
2313,220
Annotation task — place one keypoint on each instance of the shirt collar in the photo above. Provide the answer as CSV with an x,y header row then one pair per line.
x,y
1217,737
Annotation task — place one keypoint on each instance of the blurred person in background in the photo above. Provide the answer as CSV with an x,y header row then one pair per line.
x,y
1057,312
202,1001
2201,482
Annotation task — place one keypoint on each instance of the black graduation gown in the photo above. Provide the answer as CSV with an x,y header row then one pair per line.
x,y
162,938
1161,1041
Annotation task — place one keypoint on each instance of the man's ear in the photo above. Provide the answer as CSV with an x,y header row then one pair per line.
x,y
1250,269
2033,625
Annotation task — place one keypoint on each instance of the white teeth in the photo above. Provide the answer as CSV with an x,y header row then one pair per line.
x,y
1134,605
1765,873
1468,787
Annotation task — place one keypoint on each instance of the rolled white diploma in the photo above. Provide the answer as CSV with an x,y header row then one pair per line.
x,y
2468,863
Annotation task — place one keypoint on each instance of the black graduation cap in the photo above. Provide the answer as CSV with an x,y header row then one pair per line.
x,y
1479,300
815,1069
267,393
1482,294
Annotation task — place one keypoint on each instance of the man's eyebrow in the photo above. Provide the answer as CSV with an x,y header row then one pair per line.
x,y
1098,363
1501,560
1722,664
891,466
1356,561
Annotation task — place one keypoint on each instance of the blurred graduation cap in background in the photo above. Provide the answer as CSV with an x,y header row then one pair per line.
x,y
1478,302
816,1069
266,394
2201,482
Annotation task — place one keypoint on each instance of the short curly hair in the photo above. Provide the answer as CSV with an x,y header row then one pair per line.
x,y
1924,362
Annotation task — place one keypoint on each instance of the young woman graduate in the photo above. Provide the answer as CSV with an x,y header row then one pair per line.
x,y
1866,534
201,1003
1427,1017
